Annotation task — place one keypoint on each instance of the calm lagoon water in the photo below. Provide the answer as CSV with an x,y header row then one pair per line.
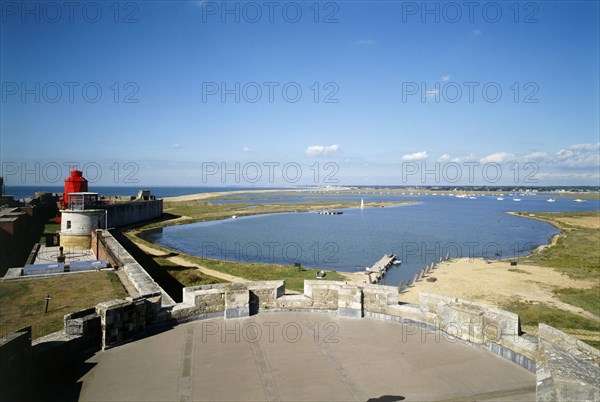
x,y
417,234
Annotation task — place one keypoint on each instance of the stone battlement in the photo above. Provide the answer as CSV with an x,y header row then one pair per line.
x,y
476,324
473,324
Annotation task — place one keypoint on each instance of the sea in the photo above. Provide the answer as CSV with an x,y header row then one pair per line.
x,y
21,192
418,233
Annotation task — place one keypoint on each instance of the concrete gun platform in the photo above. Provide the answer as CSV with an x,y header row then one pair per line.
x,y
301,357
47,255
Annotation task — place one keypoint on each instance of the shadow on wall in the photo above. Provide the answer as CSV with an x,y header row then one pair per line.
x,y
169,284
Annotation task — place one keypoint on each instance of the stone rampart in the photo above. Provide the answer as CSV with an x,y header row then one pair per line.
x,y
127,213
567,369
137,275
472,323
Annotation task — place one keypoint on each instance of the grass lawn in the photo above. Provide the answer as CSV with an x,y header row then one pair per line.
x,y
534,313
587,299
577,251
22,304
294,277
50,227
576,254
187,276
190,276
531,314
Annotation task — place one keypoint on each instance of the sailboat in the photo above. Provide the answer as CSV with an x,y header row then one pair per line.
x,y
362,203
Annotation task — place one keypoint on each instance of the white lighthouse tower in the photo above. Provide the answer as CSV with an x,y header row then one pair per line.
x,y
81,217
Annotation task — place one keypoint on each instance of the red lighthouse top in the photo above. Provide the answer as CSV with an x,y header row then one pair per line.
x,y
75,183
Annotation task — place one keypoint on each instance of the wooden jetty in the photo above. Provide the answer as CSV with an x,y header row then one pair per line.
x,y
379,269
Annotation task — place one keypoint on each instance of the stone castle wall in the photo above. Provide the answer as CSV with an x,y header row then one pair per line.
x,y
132,212
476,324
114,322
567,369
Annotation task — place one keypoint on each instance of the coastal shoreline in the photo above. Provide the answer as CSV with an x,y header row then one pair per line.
x,y
525,288
136,234
529,285
354,277
204,196
178,256
464,278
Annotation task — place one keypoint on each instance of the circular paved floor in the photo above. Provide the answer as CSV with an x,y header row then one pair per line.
x,y
301,356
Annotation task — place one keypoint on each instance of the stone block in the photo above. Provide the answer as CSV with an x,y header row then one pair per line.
x,y
121,320
265,293
376,298
566,369
237,301
294,302
350,301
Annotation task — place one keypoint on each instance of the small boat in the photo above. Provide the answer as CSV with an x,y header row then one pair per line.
x,y
233,216
516,199
362,203
500,199
550,200
578,200
397,262
472,198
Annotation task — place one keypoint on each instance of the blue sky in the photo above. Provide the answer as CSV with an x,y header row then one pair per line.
x,y
388,76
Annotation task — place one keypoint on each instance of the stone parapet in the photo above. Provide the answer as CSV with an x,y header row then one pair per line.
x,y
566,368
137,275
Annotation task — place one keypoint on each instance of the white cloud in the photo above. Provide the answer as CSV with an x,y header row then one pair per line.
x,y
416,156
586,147
365,42
321,150
176,146
446,77
247,149
536,156
579,156
446,158
498,157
